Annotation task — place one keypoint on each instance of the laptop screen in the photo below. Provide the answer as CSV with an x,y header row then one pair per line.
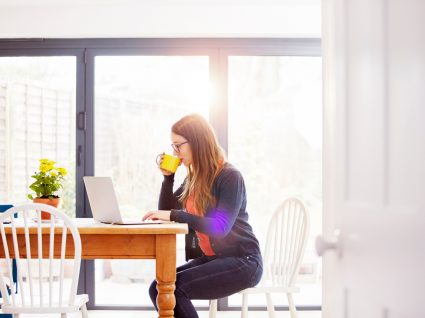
x,y
102,199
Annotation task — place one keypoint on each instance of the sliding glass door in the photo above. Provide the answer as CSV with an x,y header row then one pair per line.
x,y
136,100
273,107
105,107
37,120
275,139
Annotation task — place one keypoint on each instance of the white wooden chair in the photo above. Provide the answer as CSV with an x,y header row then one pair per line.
x,y
34,295
285,245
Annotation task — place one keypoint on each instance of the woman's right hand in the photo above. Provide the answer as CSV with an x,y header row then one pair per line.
x,y
159,161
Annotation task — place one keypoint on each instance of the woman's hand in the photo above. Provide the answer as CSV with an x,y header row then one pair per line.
x,y
164,172
163,215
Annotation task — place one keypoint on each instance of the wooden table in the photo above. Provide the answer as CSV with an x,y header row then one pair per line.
x,y
105,241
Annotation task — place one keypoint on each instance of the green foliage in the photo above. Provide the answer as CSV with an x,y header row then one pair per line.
x,y
48,180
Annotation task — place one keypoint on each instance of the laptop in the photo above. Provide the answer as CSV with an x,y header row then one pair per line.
x,y
104,203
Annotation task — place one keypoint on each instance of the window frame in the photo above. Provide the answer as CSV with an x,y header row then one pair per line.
x,y
85,50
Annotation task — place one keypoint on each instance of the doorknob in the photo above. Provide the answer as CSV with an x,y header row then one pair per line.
x,y
331,243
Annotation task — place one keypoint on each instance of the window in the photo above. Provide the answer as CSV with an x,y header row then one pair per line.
x,y
37,120
105,107
275,139
137,99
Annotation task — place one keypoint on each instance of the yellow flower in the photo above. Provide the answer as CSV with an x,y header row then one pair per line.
x,y
47,162
44,168
48,180
62,171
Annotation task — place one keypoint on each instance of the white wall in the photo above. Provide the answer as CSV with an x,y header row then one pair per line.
x,y
160,18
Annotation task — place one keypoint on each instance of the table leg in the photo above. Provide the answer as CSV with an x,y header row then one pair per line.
x,y
166,274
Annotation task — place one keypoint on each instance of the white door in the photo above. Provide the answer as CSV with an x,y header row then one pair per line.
x,y
374,158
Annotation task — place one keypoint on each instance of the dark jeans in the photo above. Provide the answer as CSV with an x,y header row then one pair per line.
x,y
211,277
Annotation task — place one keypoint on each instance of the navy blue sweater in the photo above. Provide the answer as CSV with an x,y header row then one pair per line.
x,y
226,223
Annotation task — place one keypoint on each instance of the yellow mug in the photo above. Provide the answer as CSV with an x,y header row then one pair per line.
x,y
169,162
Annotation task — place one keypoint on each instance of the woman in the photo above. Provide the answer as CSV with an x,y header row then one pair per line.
x,y
212,201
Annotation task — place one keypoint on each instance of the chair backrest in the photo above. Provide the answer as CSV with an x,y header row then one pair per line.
x,y
34,243
286,240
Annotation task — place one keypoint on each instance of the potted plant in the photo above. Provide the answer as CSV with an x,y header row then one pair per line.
x,y
48,181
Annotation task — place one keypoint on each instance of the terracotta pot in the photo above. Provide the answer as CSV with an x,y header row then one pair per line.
x,y
53,202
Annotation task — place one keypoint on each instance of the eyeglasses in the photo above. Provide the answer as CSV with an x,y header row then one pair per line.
x,y
176,147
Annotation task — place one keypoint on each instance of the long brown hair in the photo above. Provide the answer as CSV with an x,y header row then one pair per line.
x,y
207,160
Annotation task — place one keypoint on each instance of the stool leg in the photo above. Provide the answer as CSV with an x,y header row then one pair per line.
x,y
292,308
244,313
213,308
270,307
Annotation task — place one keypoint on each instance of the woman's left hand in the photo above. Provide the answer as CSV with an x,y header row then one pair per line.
x,y
163,215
